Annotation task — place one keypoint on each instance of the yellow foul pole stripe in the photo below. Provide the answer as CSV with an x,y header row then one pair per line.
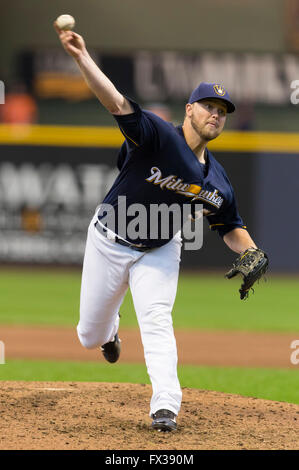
x,y
85,136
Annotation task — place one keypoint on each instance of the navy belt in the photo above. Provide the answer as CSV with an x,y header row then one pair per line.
x,y
103,231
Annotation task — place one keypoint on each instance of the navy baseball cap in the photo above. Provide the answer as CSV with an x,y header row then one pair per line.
x,y
212,90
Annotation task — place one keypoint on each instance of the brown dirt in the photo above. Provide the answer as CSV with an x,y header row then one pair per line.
x,y
76,415
214,348
71,415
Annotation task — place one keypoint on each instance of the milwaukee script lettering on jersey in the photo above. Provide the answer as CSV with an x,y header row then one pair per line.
x,y
173,183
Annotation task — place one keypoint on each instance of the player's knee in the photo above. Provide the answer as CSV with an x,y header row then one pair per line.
x,y
88,339
88,343
158,318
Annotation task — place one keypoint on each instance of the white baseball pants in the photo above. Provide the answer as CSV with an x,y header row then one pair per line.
x,y
108,270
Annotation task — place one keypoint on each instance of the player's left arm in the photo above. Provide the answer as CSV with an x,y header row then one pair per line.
x,y
239,240
252,262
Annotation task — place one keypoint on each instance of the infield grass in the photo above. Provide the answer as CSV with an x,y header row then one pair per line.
x,y
40,297
269,384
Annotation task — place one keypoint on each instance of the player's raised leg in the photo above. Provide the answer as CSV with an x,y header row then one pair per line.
x,y
103,287
153,283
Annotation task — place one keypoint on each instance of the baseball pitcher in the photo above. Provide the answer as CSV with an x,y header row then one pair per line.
x,y
159,164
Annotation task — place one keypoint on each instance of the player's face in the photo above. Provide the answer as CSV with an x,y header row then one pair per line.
x,y
208,118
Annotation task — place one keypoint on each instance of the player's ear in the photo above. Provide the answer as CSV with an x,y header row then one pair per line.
x,y
188,109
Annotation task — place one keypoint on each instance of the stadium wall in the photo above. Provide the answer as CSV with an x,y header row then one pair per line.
x,y
52,178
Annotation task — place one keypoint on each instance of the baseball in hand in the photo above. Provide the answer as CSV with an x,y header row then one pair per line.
x,y
65,22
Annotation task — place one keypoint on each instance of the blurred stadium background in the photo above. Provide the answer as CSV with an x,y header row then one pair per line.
x,y
58,146
54,173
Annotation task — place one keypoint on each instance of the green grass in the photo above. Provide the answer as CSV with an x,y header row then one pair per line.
x,y
212,302
270,384
203,301
39,297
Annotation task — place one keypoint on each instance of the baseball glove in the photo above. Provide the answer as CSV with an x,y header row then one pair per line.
x,y
252,264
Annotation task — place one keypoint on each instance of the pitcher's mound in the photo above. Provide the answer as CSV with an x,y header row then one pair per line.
x,y
77,415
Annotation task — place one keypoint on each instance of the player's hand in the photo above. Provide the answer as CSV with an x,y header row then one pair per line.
x,y
72,42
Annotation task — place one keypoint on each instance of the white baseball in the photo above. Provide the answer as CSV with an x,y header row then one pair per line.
x,y
65,22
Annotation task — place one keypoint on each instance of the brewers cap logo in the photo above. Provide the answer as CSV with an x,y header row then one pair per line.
x,y
219,90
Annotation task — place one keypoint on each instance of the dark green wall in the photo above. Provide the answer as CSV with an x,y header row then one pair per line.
x,y
133,24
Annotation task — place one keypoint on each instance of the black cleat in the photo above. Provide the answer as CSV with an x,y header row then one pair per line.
x,y
164,420
111,350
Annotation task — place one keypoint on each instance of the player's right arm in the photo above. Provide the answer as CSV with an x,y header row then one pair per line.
x,y
97,81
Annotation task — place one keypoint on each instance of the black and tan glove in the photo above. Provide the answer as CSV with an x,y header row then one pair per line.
x,y
252,264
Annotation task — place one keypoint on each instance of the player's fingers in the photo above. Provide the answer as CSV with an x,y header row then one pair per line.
x,y
77,38
68,35
63,35
72,42
58,30
76,35
67,38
